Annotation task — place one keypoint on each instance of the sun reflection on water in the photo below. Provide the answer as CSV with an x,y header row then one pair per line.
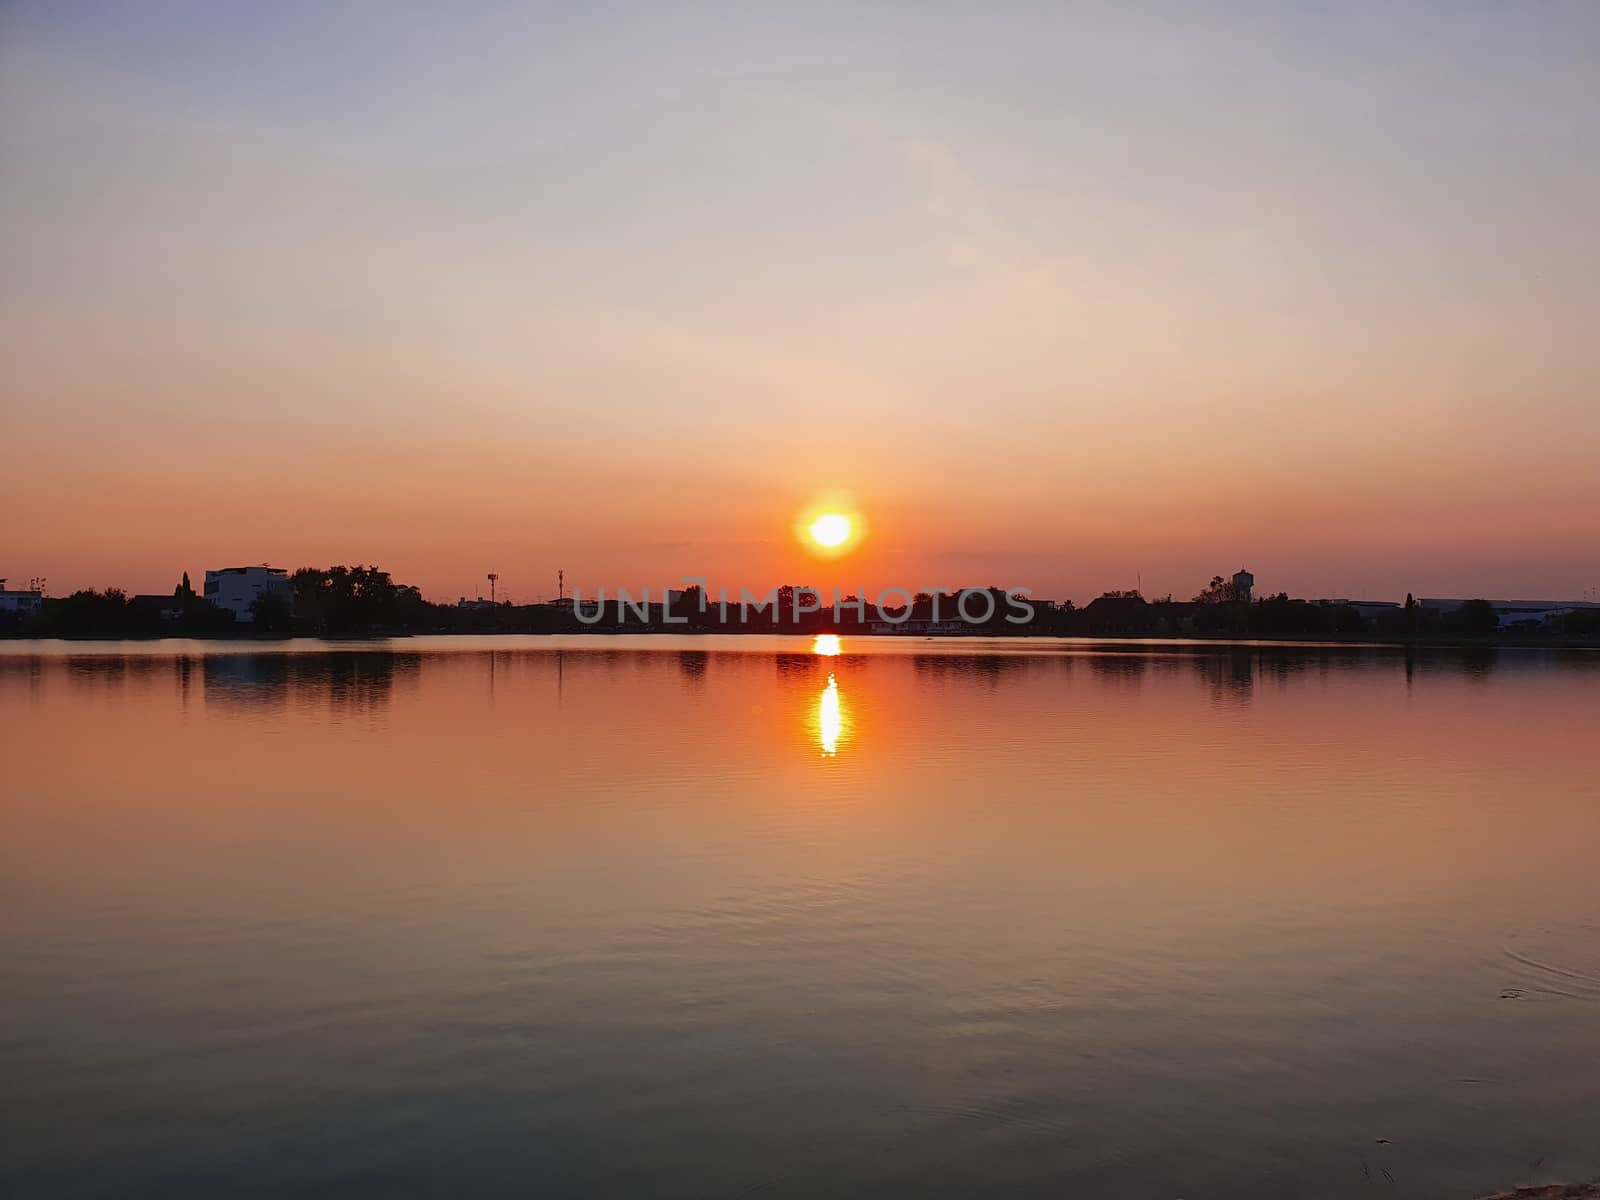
x,y
830,709
830,718
827,644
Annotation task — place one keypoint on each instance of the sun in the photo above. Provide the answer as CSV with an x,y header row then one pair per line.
x,y
831,526
830,530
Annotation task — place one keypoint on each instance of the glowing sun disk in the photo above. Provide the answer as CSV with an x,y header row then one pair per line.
x,y
830,529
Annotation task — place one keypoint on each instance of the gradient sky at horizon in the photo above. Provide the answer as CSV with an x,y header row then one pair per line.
x,y
1067,296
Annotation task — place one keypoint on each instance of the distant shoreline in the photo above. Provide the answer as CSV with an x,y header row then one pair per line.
x,y
1515,642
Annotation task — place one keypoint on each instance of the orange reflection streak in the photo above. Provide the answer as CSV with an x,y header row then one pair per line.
x,y
830,720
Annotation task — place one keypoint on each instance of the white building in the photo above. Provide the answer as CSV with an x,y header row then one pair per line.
x,y
236,588
19,601
1511,613
1366,608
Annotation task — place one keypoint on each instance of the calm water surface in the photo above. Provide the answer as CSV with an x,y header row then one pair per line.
x,y
707,918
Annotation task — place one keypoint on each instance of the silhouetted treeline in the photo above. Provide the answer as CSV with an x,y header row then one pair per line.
x,y
1128,614
360,601
114,614
345,600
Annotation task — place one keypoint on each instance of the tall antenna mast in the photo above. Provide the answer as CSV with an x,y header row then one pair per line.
x,y
561,585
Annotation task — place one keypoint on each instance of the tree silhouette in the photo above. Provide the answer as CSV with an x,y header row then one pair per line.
x,y
1475,618
271,612
1218,591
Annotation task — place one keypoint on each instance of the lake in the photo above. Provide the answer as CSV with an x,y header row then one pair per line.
x,y
717,917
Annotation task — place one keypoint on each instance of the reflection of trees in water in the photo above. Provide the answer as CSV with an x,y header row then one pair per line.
x,y
1474,663
1238,669
1230,676
184,670
692,666
22,671
356,681
364,680
989,669
1281,668
95,672
627,661
90,676
1234,672
795,666
1123,670
1478,662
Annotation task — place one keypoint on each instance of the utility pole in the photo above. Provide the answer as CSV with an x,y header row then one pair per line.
x,y
561,586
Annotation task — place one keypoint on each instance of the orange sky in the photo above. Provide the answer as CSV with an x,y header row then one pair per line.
x,y
1167,300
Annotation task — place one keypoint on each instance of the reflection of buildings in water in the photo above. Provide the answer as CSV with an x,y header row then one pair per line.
x,y
347,681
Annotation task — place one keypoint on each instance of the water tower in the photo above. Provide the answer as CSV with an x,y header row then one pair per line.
x,y
1243,581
